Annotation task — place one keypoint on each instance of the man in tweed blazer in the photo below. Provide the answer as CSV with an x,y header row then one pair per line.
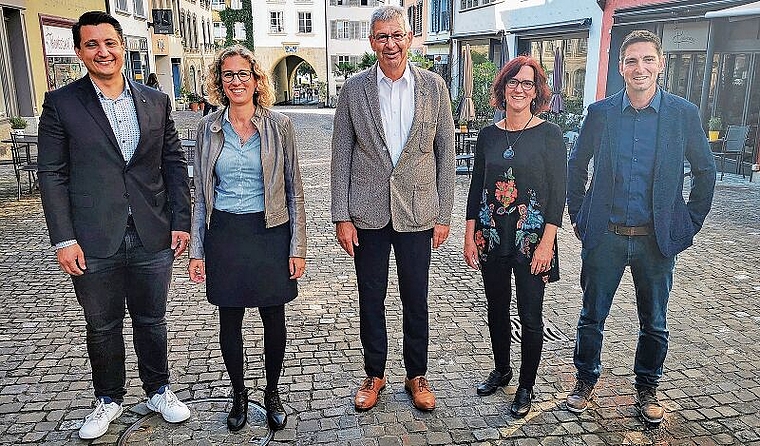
x,y
393,185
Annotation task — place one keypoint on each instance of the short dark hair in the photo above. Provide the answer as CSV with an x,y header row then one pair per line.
x,y
94,18
638,36
510,70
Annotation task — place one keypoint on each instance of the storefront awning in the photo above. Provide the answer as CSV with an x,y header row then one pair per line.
x,y
552,28
743,11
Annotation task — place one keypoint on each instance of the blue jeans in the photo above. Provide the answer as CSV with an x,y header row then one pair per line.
x,y
141,279
602,268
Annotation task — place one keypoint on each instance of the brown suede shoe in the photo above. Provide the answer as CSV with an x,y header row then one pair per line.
x,y
422,396
366,396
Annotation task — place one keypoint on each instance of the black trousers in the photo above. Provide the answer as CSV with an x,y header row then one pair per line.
x,y
497,281
371,259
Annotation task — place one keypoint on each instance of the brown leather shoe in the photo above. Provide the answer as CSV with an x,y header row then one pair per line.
x,y
422,396
366,396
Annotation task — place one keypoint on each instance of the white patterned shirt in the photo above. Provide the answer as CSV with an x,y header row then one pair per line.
x,y
122,115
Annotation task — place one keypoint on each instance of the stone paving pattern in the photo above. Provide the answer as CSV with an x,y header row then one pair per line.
x,y
711,388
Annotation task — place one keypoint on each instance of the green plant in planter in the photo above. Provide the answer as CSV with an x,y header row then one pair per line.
x,y
193,97
17,122
715,124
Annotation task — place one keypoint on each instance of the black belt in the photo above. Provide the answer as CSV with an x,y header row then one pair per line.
x,y
629,231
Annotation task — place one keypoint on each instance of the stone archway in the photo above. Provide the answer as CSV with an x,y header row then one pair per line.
x,y
283,66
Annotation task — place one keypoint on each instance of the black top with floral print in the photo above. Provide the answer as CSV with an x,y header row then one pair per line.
x,y
514,193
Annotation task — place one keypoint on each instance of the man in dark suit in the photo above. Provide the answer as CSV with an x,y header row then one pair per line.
x,y
393,185
116,198
633,212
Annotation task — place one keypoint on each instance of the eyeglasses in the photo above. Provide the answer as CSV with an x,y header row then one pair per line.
x,y
526,84
383,38
242,75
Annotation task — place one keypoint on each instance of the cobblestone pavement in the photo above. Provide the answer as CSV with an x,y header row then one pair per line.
x,y
711,387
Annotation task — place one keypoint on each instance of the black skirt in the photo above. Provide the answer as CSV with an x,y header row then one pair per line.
x,y
246,263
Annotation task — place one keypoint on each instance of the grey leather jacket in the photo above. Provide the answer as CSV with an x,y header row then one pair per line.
x,y
283,190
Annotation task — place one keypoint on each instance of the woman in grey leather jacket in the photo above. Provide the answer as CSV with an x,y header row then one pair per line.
x,y
248,238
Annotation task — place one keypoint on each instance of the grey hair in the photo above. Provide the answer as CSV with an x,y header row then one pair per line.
x,y
389,13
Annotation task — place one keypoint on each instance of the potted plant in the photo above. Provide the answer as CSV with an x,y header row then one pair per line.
x,y
194,99
714,125
18,124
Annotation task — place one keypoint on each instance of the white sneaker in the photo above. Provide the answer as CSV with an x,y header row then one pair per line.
x,y
96,423
168,405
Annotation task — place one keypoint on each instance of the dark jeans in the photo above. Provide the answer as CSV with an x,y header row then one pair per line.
x,y
231,343
497,272
601,271
141,279
371,259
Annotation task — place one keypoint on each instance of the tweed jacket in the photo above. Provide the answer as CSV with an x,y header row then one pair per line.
x,y
367,189
88,189
679,136
283,190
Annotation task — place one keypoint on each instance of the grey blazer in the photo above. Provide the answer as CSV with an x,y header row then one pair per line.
x,y
366,188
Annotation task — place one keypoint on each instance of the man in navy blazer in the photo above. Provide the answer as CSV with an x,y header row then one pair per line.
x,y
633,212
116,197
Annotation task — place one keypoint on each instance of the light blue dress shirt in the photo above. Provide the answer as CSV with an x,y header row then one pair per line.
x,y
240,179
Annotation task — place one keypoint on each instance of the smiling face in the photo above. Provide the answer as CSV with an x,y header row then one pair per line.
x,y
101,50
640,66
391,54
518,98
239,92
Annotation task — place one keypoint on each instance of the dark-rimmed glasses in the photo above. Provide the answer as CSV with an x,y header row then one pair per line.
x,y
383,38
242,75
527,85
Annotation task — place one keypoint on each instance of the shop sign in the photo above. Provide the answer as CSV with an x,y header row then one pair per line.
x,y
57,41
160,45
162,21
685,36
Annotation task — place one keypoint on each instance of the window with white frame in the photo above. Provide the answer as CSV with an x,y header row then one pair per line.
x,y
239,31
122,6
344,59
467,4
364,30
218,5
275,22
304,22
220,31
236,4
343,29
139,8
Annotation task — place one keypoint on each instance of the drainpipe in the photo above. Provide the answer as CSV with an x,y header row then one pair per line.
x,y
327,56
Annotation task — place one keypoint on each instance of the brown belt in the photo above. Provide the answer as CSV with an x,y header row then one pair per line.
x,y
629,231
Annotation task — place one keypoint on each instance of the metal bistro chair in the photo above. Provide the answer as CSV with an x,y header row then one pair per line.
x,y
188,145
23,161
733,145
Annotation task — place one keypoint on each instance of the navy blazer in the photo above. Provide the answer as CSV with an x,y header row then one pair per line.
x,y
87,187
680,136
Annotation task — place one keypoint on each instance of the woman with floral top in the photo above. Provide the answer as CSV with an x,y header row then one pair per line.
x,y
514,207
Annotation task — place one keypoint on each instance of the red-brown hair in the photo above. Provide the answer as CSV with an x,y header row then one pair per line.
x,y
510,70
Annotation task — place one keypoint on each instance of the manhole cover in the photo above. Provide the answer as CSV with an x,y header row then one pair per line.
x,y
207,424
551,332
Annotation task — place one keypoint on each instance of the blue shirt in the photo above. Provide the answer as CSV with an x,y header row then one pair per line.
x,y
240,179
634,164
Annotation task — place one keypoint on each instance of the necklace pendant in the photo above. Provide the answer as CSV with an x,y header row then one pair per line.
x,y
509,153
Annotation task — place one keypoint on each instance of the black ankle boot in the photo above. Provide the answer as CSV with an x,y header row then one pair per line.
x,y
521,404
495,380
276,416
239,412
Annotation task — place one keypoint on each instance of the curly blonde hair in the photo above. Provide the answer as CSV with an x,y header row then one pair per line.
x,y
264,95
